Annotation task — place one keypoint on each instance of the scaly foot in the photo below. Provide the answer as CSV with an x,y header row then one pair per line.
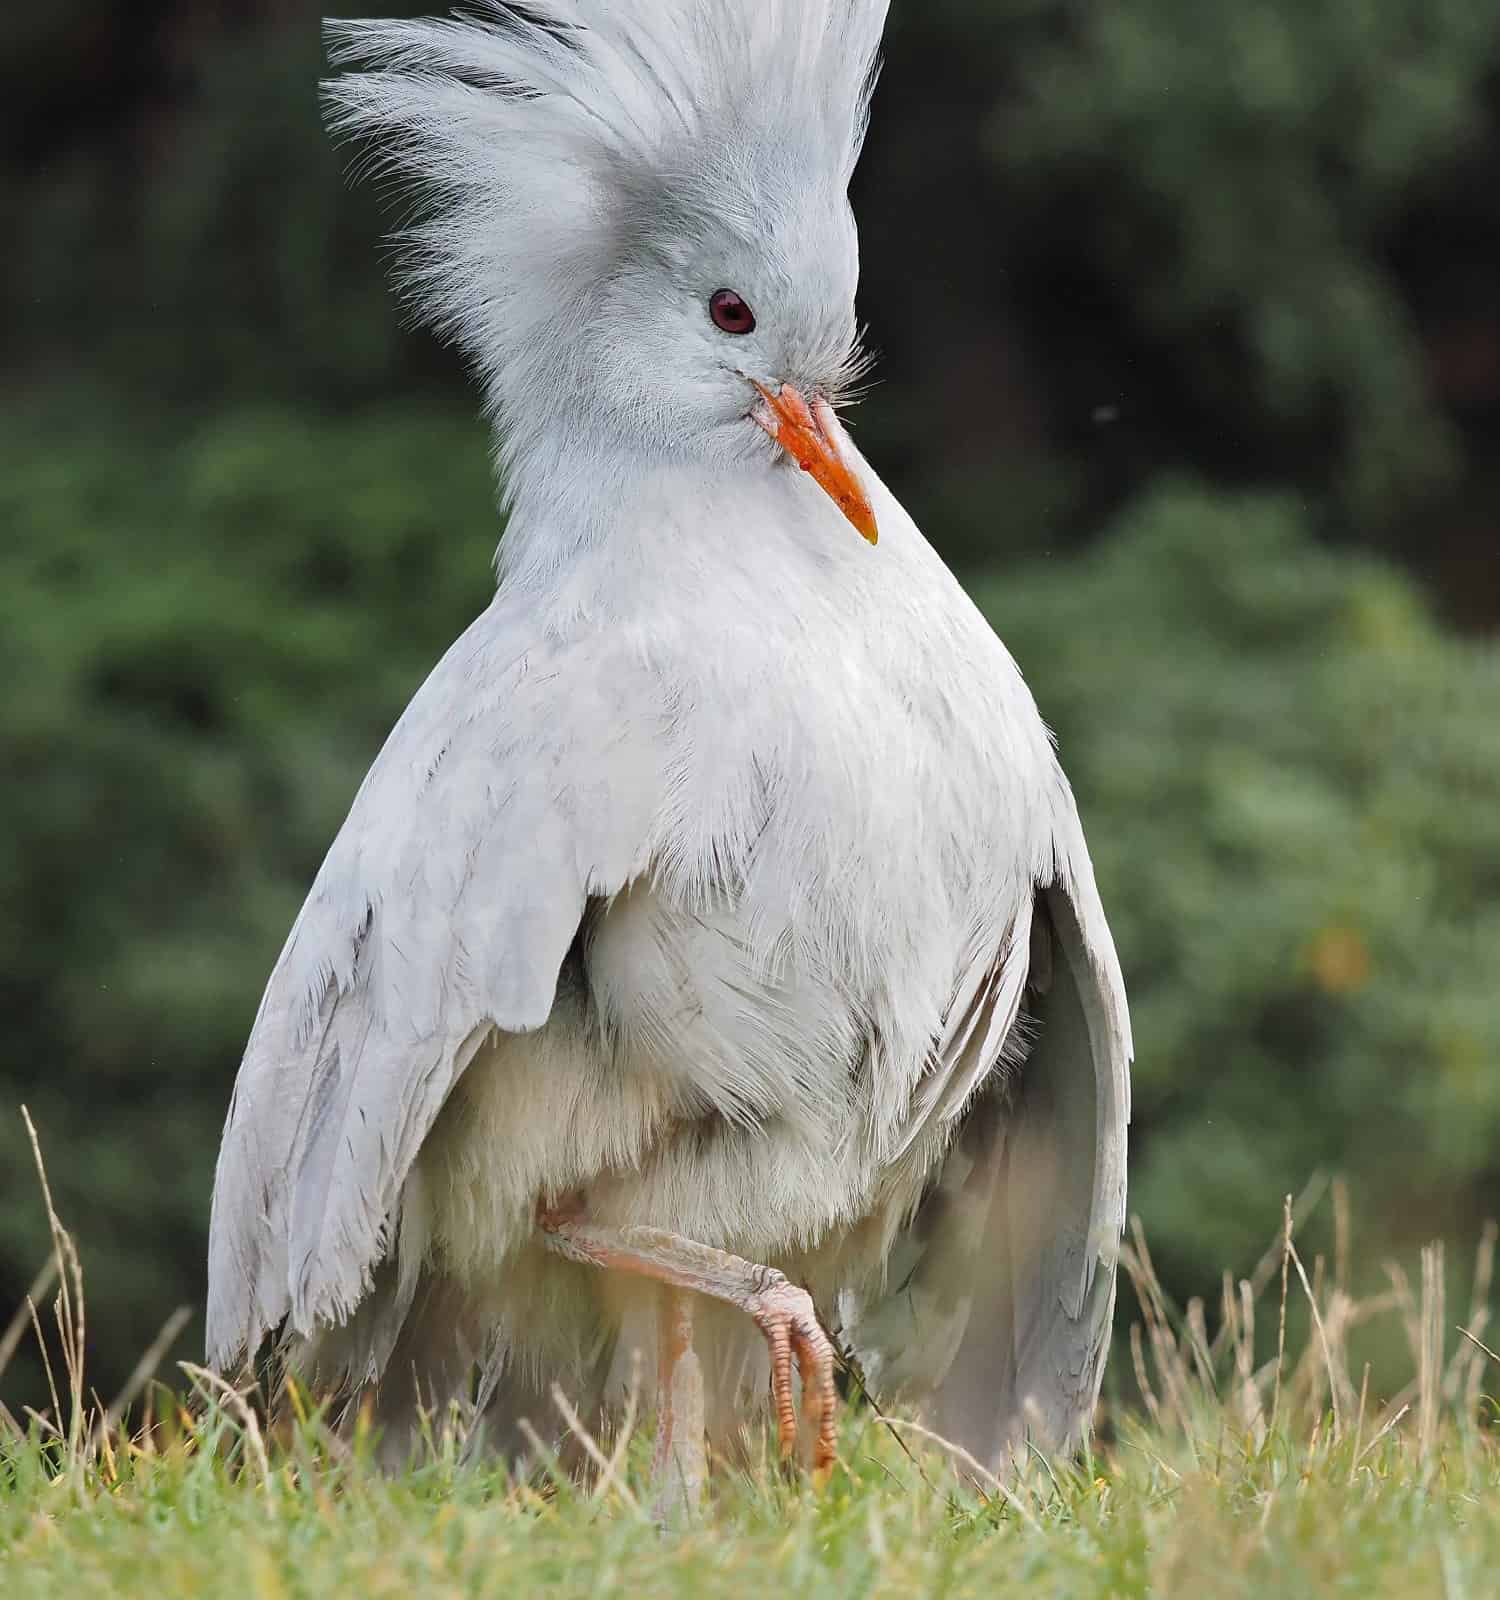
x,y
782,1311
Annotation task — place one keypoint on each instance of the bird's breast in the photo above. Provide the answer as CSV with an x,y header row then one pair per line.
x,y
738,1017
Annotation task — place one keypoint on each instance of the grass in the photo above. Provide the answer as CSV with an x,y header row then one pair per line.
x,y
1234,1478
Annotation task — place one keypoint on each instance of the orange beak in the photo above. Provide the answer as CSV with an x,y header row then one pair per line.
x,y
812,437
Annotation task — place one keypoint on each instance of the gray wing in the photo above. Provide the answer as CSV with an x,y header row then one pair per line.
x,y
443,911
1001,1290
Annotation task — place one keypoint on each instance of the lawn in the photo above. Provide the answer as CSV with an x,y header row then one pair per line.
x,y
1155,1512
1234,1476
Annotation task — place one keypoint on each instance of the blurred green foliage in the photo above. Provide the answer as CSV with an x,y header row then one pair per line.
x,y
214,627
1291,782
1242,167
1183,310
1258,243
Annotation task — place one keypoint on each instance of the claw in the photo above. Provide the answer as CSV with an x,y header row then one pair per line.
x,y
784,1313
786,1316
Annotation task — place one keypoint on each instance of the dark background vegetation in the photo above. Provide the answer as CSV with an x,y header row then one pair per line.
x,y
1190,318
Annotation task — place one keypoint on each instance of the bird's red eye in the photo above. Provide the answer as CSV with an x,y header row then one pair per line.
x,y
730,313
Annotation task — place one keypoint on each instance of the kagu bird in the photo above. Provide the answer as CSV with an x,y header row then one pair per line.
x,y
712,955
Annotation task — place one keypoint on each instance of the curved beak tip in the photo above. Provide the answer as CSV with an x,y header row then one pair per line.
x,y
814,438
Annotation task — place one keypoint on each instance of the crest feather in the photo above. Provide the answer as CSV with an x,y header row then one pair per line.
x,y
518,123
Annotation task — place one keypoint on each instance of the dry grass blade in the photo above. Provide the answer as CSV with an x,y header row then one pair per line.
x,y
1468,1362
9,1423
1171,1366
211,1386
1286,1255
1244,1365
1317,1316
980,1474
591,1447
69,1307
1143,1383
41,1344
1265,1269
46,1424
626,1429
1359,1423
16,1328
1197,1342
1479,1344
1385,1428
1301,1208
544,1455
855,1373
1430,1363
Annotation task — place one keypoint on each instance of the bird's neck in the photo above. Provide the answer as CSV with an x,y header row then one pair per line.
x,y
564,502
608,517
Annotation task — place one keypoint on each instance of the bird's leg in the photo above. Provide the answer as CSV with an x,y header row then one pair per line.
x,y
679,1466
783,1312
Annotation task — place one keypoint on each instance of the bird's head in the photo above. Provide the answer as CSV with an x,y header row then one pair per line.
x,y
636,219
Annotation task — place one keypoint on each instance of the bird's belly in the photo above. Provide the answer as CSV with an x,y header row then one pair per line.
x,y
704,1071
546,1118
683,1083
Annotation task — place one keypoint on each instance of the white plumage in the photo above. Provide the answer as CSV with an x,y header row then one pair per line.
x,y
721,879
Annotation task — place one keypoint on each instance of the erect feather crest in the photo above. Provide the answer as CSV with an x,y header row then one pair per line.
x,y
523,125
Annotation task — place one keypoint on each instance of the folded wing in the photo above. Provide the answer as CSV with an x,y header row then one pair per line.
x,y
443,911
999,1299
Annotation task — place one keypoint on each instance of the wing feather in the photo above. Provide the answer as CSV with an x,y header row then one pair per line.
x,y
1002,1287
443,911
980,1019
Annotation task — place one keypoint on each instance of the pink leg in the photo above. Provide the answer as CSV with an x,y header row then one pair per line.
x,y
783,1312
679,1466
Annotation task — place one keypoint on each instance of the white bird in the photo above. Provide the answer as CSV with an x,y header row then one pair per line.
x,y
712,953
